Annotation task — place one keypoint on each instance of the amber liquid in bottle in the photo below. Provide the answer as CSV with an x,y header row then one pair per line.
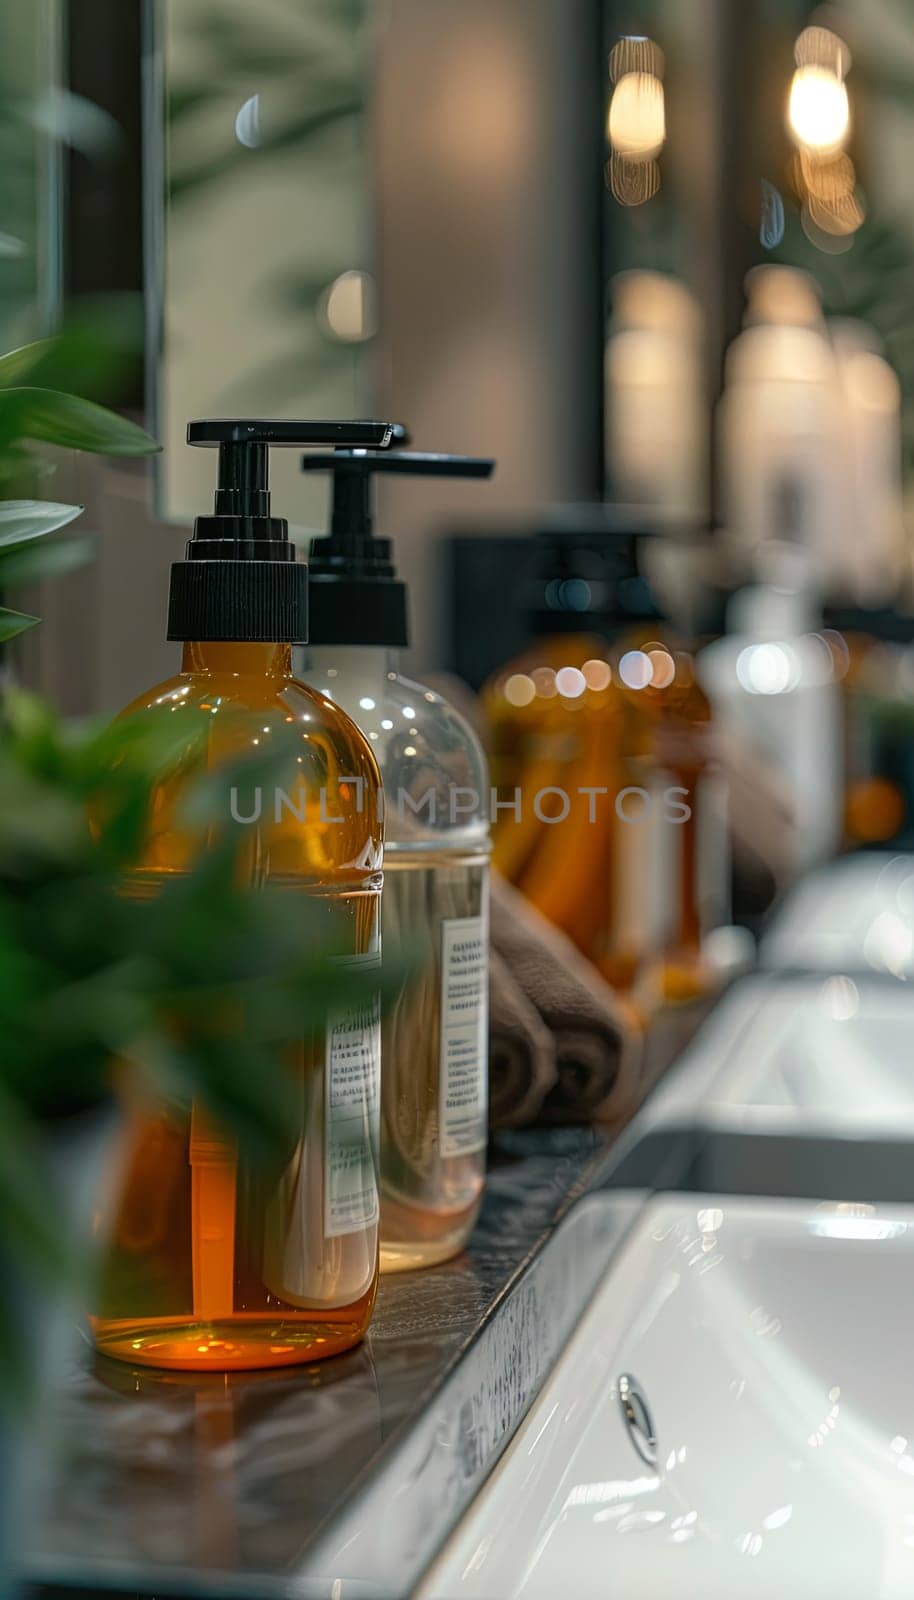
x,y
211,1262
668,751
546,742
557,728
621,741
874,722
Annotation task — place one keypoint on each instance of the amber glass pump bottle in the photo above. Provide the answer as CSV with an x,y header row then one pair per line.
x,y
554,715
434,1058
602,758
210,1262
673,858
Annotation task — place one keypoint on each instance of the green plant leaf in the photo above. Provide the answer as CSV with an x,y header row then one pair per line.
x,y
23,520
66,420
14,622
76,121
22,363
31,1226
186,99
51,560
100,343
309,126
28,717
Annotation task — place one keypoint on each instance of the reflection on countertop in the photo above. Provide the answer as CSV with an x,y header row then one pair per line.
x,y
203,1482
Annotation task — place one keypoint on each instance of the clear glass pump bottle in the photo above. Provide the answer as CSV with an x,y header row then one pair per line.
x,y
210,1262
434,1073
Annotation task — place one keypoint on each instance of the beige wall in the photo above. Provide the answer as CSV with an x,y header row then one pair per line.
x,y
480,183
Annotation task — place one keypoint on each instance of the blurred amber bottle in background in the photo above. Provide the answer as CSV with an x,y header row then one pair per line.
x,y
682,854
555,747
553,715
602,762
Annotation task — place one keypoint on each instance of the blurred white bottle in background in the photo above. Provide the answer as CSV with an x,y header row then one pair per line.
x,y
781,420
875,555
772,685
657,429
814,405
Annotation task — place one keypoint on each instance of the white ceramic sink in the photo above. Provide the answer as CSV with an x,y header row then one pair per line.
x,y
771,1346
808,1055
856,915
793,1086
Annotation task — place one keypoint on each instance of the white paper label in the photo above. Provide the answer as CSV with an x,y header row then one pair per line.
x,y
463,1105
352,1120
640,872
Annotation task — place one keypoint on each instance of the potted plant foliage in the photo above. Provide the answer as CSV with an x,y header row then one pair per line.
x,y
98,991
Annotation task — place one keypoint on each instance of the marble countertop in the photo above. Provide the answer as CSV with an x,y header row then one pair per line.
x,y
341,1479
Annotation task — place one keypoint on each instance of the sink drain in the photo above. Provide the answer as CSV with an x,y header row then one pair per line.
x,y
638,1419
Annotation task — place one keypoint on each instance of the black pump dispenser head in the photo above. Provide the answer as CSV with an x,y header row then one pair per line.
x,y
358,598
240,579
587,575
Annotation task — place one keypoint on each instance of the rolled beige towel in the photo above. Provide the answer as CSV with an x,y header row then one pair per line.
x,y
597,1050
522,1057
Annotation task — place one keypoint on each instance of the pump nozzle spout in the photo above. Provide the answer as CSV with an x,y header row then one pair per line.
x,y
359,600
244,481
240,579
244,444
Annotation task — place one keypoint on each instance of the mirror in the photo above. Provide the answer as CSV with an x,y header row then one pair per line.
x,y
31,114
260,226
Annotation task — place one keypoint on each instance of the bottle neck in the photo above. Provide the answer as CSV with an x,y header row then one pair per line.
x,y
355,662
241,657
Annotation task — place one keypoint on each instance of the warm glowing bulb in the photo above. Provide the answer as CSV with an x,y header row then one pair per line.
x,y
766,669
570,682
520,690
663,668
829,178
544,682
840,217
597,674
632,182
819,110
349,308
637,116
635,669
821,47
871,383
